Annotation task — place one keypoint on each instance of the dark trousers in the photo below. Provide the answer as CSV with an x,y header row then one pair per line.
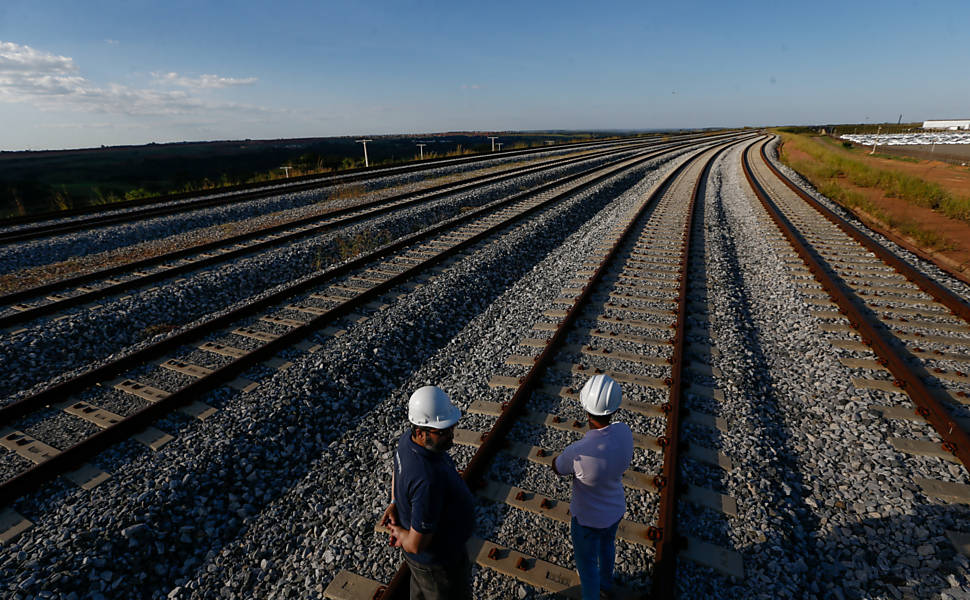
x,y
595,552
441,582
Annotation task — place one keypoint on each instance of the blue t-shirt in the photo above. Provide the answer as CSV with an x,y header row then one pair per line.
x,y
432,498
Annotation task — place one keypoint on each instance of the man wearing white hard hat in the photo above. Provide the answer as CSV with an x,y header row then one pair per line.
x,y
597,463
431,515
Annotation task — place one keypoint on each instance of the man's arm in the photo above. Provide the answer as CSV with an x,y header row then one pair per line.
x,y
567,467
426,501
410,540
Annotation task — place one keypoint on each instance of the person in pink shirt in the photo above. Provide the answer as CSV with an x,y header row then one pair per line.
x,y
597,463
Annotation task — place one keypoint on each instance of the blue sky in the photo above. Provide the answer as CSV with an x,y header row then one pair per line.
x,y
81,74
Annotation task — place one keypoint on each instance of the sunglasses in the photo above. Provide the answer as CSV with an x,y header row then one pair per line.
x,y
440,432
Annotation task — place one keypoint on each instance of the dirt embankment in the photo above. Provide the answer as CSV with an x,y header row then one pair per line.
x,y
954,178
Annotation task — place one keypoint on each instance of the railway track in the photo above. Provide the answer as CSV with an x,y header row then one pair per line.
x,y
259,331
150,208
807,471
190,288
32,303
239,192
633,296
905,336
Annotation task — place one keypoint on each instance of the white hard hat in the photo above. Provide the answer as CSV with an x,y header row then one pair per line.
x,y
431,407
601,395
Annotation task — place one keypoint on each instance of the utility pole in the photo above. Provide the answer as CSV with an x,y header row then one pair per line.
x,y
364,142
287,171
421,150
493,141
500,146
875,140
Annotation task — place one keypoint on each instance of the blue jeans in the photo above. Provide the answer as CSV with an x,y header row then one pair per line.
x,y
595,551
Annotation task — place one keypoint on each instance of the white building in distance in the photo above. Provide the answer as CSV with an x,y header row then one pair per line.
x,y
952,125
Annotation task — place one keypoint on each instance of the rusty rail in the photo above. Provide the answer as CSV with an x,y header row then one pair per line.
x,y
664,533
955,439
245,192
957,305
35,476
249,191
476,468
375,208
63,389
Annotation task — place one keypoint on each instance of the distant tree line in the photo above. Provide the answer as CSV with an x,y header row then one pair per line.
x,y
32,182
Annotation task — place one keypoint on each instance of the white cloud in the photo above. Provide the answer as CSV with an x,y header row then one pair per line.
x,y
26,73
111,42
53,82
15,58
206,81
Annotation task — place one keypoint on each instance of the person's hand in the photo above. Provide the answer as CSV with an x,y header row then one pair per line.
x,y
397,536
390,515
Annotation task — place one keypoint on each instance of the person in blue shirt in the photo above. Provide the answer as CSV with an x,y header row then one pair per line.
x,y
431,515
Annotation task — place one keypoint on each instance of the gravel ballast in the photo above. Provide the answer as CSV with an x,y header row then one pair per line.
x,y
280,489
304,440
827,507
292,204
88,335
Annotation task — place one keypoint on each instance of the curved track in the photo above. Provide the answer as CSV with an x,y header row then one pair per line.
x,y
50,298
636,288
350,287
179,203
897,323
799,406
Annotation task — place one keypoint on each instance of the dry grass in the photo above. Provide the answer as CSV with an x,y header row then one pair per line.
x,y
347,247
828,172
926,238
829,164
153,330
348,192
362,243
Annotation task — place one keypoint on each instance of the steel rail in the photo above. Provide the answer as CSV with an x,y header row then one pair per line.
x,y
21,235
478,465
664,534
348,176
957,305
380,207
39,474
956,440
64,389
25,234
